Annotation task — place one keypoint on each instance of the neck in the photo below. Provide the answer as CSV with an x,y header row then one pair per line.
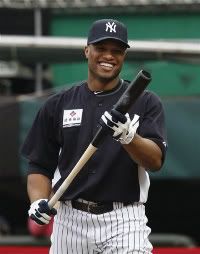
x,y
99,85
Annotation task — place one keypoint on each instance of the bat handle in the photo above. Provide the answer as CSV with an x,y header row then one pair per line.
x,y
134,90
79,165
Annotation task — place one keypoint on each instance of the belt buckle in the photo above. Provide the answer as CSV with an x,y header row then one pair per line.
x,y
90,206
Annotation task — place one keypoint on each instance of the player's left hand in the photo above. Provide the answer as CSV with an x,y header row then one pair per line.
x,y
120,126
40,212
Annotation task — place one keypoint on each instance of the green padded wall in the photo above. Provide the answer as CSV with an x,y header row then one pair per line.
x,y
169,78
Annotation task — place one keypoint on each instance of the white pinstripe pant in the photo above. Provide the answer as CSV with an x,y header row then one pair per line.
x,y
123,230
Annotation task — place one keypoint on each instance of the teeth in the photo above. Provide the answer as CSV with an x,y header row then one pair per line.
x,y
106,65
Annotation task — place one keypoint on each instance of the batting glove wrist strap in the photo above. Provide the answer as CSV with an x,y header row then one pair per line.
x,y
120,126
40,212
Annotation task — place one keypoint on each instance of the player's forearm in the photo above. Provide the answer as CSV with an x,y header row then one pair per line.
x,y
145,153
38,187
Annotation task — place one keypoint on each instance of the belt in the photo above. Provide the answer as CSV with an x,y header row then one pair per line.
x,y
94,208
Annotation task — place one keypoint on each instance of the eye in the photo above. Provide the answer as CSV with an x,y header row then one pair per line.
x,y
118,51
100,49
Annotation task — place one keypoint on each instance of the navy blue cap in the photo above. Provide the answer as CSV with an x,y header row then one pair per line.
x,y
108,29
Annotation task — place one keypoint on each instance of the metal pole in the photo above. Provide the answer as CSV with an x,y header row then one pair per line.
x,y
38,67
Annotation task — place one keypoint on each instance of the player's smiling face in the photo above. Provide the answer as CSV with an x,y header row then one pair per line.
x,y
105,59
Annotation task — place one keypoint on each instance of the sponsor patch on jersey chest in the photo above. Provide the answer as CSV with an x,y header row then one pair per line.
x,y
72,117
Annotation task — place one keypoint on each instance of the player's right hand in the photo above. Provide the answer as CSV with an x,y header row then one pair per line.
x,y
40,212
120,126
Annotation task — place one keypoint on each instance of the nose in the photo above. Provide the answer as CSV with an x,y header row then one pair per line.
x,y
108,55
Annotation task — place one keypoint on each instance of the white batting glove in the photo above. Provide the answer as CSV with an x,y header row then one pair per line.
x,y
120,126
40,212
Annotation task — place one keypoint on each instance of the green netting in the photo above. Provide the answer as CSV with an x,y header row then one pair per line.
x,y
28,110
183,125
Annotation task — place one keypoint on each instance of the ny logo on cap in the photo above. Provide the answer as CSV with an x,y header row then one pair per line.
x,y
110,26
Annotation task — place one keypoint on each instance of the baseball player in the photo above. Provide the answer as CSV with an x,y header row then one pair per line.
x,y
103,209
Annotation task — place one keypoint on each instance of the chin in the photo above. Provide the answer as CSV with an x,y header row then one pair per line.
x,y
108,77
104,79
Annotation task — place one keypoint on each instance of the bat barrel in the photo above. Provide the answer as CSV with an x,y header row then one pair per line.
x,y
134,90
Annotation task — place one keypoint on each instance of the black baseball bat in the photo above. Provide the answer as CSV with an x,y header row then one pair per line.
x,y
128,98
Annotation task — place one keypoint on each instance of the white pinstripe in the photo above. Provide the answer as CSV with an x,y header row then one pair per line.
x,y
121,231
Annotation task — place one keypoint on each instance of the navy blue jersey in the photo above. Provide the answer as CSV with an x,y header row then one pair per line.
x,y
65,126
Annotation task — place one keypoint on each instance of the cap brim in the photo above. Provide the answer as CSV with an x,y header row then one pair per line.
x,y
106,38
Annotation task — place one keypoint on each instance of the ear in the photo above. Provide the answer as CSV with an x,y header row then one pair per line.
x,y
125,53
86,51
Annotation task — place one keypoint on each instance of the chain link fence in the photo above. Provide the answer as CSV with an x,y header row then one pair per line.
x,y
59,4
